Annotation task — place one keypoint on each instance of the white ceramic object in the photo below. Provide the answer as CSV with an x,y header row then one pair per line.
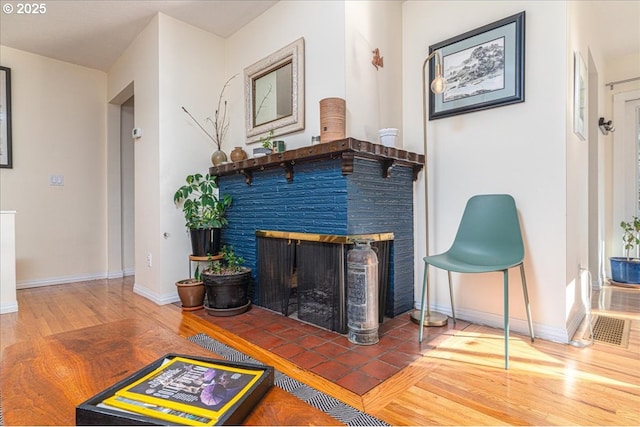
x,y
388,137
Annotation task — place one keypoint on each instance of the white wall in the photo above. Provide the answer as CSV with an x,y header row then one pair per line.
x,y
374,97
191,72
322,24
58,113
518,149
171,64
138,67
8,297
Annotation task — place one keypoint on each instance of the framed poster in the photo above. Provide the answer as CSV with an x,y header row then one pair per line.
x,y
5,118
483,68
579,95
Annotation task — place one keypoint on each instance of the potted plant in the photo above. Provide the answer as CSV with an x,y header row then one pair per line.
x,y
627,269
266,145
204,212
227,284
191,292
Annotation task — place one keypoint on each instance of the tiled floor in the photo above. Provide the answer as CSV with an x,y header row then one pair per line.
x,y
355,367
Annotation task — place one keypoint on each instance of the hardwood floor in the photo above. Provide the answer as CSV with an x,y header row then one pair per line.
x,y
460,382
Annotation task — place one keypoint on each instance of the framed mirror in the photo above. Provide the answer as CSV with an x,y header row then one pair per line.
x,y
274,93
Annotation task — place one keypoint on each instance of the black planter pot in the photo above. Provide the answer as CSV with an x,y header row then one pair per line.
x,y
205,241
227,291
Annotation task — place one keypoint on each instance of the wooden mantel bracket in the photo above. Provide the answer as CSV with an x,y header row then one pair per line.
x,y
248,176
387,165
288,169
347,162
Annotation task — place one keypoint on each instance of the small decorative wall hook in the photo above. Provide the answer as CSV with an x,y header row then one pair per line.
x,y
377,61
606,126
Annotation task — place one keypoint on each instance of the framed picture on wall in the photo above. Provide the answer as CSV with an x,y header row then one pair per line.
x,y
483,68
5,118
579,95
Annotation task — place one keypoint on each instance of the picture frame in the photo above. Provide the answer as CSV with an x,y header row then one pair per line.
x,y
579,96
484,68
6,154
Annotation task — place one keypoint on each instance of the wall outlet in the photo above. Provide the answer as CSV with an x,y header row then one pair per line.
x,y
149,260
56,180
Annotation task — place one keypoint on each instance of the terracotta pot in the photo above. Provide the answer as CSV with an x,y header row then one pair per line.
x,y
238,154
191,293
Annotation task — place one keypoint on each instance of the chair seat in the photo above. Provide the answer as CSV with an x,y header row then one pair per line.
x,y
471,264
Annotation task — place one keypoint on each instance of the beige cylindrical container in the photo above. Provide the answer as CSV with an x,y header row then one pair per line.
x,y
332,119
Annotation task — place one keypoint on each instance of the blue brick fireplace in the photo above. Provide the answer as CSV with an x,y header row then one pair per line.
x,y
345,187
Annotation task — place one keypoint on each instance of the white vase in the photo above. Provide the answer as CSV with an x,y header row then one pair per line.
x,y
388,137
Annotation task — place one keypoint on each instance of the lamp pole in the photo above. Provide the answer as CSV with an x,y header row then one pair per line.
x,y
431,318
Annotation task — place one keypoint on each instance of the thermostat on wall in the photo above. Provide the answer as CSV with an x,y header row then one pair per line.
x,y
136,133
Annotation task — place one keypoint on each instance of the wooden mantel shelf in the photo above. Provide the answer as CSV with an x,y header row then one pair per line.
x,y
345,149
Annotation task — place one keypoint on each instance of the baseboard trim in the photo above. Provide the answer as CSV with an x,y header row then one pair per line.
x,y
160,299
60,280
520,326
11,307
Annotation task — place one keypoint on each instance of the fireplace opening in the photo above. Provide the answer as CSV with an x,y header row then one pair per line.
x,y
304,275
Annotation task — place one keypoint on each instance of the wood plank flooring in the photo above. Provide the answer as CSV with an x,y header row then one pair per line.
x,y
460,382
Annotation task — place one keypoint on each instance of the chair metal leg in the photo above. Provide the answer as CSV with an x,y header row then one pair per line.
x,y
506,319
526,300
423,303
453,310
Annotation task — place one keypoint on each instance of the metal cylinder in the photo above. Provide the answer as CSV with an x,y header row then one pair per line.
x,y
362,294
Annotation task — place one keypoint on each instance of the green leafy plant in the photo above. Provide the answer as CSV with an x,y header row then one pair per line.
x,y
631,235
229,264
201,206
266,141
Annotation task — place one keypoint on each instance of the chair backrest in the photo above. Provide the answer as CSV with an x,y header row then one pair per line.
x,y
489,232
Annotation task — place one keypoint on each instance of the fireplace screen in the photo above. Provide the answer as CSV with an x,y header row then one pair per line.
x,y
305,275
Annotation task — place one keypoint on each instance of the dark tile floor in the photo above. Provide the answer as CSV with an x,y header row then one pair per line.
x,y
357,368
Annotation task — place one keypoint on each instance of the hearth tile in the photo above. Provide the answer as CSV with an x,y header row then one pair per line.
x,y
327,335
398,358
413,347
352,358
291,334
330,349
275,327
379,370
373,350
265,340
310,341
358,382
288,350
308,359
389,342
331,370
405,332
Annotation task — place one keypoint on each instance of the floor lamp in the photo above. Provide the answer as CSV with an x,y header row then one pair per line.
x,y
431,318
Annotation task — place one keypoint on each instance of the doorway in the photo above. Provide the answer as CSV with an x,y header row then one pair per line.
x,y
121,184
127,186
626,164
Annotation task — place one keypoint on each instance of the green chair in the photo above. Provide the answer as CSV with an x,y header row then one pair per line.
x,y
488,239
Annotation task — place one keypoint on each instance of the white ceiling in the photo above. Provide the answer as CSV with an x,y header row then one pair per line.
x,y
94,33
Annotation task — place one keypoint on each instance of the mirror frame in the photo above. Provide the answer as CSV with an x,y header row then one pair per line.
x,y
293,53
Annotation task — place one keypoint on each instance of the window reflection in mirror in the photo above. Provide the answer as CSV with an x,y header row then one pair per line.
x,y
272,95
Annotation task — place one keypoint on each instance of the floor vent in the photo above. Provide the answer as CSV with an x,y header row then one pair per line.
x,y
610,330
